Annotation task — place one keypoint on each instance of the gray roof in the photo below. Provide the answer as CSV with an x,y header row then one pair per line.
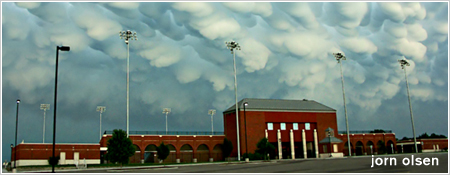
x,y
330,139
280,105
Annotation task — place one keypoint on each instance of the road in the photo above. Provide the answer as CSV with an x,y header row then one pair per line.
x,y
360,164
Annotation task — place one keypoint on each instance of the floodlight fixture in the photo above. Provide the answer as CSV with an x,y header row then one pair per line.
x,y
101,109
166,111
212,112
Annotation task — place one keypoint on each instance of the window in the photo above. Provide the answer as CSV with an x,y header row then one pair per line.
x,y
295,126
307,126
269,126
283,126
335,148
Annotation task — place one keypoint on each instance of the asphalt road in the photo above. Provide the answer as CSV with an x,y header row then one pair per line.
x,y
360,164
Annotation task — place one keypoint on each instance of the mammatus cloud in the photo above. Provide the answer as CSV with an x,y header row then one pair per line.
x,y
180,61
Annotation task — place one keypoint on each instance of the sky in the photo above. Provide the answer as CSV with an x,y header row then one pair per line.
x,y
180,61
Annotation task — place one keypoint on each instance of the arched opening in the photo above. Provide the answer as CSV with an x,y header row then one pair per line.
x,y
202,153
136,158
370,148
381,148
150,154
359,149
172,155
217,153
390,147
186,153
345,151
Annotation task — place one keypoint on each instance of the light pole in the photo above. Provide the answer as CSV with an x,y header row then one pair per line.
x,y
101,109
58,48
127,35
17,125
245,126
166,111
339,57
404,63
44,107
234,45
329,139
212,112
11,154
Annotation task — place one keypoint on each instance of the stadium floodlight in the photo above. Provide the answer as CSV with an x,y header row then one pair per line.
x,y
44,107
101,109
127,35
212,112
232,46
404,63
339,57
166,111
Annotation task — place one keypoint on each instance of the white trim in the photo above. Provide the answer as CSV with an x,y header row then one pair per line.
x,y
59,144
29,162
280,110
103,148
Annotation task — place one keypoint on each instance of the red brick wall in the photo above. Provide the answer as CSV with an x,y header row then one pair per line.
x,y
428,143
44,151
387,138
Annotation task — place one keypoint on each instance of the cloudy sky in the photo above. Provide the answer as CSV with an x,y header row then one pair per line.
x,y
180,61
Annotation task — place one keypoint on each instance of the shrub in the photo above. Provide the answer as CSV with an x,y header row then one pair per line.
x,y
53,160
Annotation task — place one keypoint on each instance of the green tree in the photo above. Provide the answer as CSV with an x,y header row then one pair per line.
x,y
163,151
120,148
264,147
227,147
53,160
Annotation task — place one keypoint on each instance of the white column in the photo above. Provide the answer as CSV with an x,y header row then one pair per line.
x,y
280,151
434,147
316,143
267,135
292,144
305,155
437,147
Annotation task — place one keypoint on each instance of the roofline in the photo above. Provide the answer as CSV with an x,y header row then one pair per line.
x,y
278,110
60,143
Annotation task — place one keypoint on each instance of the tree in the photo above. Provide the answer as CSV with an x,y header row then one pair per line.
x,y
53,160
163,151
264,147
227,147
120,148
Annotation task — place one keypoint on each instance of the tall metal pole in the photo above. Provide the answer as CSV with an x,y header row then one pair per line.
x,y
63,48
233,45
101,109
339,58
127,35
166,123
43,129
17,125
404,63
212,112
245,125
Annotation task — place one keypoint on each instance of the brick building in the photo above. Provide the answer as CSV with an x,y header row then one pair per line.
x,y
297,129
423,145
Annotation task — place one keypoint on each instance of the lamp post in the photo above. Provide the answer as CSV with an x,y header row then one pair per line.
x,y
212,112
127,35
245,126
166,111
234,45
17,125
404,63
329,139
339,57
58,48
101,109
11,154
44,107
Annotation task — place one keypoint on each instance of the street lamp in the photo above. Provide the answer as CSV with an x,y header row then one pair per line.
x,y
245,126
234,45
44,107
58,48
329,139
339,57
166,111
11,153
212,112
404,63
17,125
127,35
101,109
